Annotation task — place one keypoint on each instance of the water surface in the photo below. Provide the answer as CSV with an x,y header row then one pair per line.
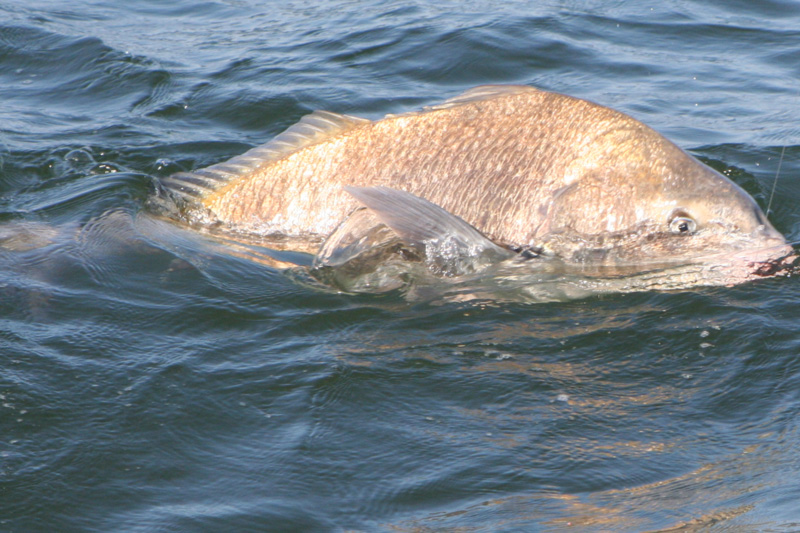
x,y
154,379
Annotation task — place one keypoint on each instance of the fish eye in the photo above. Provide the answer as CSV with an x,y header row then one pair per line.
x,y
682,225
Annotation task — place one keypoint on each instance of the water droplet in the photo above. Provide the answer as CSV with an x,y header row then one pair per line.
x,y
104,168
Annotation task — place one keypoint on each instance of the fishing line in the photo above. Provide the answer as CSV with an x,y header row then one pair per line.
x,y
775,183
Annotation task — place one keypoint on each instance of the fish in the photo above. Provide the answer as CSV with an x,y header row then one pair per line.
x,y
498,173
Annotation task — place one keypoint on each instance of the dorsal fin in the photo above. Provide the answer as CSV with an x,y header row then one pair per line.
x,y
476,94
481,93
310,130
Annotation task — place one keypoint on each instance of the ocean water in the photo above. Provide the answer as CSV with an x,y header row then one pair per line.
x,y
155,379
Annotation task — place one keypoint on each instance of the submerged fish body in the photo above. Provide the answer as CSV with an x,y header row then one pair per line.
x,y
524,169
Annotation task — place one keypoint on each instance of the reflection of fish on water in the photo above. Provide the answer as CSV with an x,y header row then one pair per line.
x,y
500,175
40,261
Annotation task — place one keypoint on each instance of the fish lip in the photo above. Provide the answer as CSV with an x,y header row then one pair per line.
x,y
732,268
784,262
780,259
771,252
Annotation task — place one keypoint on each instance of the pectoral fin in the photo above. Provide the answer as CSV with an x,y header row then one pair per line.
x,y
450,244
358,235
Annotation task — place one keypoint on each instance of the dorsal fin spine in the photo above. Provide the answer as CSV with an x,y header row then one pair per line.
x,y
310,130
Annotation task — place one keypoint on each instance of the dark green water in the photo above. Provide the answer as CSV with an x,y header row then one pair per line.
x,y
154,380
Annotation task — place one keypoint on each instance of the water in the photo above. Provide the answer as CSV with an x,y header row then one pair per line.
x,y
153,379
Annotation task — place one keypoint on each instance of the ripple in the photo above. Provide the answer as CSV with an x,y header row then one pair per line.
x,y
155,378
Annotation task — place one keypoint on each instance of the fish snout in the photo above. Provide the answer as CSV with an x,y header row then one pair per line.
x,y
765,236
771,252
764,246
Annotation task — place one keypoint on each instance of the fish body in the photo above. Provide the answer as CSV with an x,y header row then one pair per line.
x,y
528,169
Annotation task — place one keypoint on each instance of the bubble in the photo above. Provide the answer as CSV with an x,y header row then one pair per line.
x,y
78,157
166,166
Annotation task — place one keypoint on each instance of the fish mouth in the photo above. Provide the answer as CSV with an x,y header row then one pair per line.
x,y
765,262
784,261
717,269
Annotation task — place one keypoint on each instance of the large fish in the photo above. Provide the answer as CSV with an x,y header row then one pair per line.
x,y
528,171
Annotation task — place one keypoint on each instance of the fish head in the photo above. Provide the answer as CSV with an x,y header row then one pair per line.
x,y
665,209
